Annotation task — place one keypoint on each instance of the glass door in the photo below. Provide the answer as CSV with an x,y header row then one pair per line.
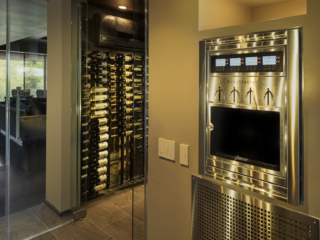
x,y
113,113
140,155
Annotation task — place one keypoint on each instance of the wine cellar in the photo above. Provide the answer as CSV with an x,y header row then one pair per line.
x,y
113,103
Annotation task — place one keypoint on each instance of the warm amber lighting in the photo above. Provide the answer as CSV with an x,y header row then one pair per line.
x,y
122,7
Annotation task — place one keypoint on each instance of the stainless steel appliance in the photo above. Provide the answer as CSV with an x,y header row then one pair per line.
x,y
250,112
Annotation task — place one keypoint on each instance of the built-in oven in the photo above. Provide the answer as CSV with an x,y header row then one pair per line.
x,y
250,108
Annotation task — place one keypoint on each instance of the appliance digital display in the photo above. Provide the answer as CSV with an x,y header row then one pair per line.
x,y
221,62
251,61
235,62
269,60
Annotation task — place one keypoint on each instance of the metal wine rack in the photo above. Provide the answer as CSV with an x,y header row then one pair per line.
x,y
116,84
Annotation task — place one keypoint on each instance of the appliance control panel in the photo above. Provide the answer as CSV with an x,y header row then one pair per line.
x,y
250,62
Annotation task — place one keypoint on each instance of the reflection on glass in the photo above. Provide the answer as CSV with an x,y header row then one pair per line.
x,y
26,211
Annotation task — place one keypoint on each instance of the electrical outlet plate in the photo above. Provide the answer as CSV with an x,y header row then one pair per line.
x,y
166,149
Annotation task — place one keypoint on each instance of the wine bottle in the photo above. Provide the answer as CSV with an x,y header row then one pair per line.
x,y
129,126
124,118
99,179
99,97
97,121
125,133
129,80
99,90
103,105
126,88
106,56
105,72
124,102
99,155
105,64
129,58
101,129
94,54
137,95
125,73
127,118
127,110
97,113
100,163
90,68
100,138
98,146
95,189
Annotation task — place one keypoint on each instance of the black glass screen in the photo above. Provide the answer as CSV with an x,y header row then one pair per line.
x,y
249,136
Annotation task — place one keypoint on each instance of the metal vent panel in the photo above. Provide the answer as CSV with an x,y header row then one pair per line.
x,y
220,213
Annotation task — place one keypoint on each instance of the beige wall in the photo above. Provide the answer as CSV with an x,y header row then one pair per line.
x,y
237,14
280,10
174,71
224,13
58,104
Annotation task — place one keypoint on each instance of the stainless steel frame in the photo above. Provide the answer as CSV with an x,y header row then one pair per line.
x,y
283,184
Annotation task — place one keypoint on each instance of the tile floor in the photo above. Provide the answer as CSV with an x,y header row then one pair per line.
x,y
107,219
32,221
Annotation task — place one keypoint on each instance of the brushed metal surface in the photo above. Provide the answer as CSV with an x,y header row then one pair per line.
x,y
264,91
221,213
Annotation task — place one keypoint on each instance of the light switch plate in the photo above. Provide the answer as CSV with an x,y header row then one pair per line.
x,y
166,149
184,155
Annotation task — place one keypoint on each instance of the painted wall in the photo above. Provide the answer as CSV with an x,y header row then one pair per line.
x,y
237,14
58,104
224,13
280,10
174,78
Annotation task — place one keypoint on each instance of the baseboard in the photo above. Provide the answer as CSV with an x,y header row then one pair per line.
x,y
60,214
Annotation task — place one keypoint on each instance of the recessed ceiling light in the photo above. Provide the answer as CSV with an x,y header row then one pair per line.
x,y
122,7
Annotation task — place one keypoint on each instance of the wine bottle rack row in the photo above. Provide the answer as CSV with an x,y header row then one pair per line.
x,y
112,120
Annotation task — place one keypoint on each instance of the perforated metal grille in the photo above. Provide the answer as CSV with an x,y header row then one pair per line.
x,y
227,214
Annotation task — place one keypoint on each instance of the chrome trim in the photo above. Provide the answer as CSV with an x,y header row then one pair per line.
x,y
234,168
235,176
18,114
293,109
243,45
202,106
247,38
282,88
45,76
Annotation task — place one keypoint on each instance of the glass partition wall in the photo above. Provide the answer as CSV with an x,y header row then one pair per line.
x,y
107,189
25,209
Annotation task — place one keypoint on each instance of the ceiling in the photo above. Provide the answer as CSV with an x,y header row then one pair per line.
x,y
262,3
137,5
28,18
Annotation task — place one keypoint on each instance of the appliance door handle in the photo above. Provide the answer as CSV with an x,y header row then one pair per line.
x,y
210,127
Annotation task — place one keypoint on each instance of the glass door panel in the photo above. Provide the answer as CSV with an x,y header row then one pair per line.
x,y
3,116
140,145
28,213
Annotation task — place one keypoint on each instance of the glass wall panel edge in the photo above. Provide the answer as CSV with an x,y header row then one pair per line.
x,y
7,117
